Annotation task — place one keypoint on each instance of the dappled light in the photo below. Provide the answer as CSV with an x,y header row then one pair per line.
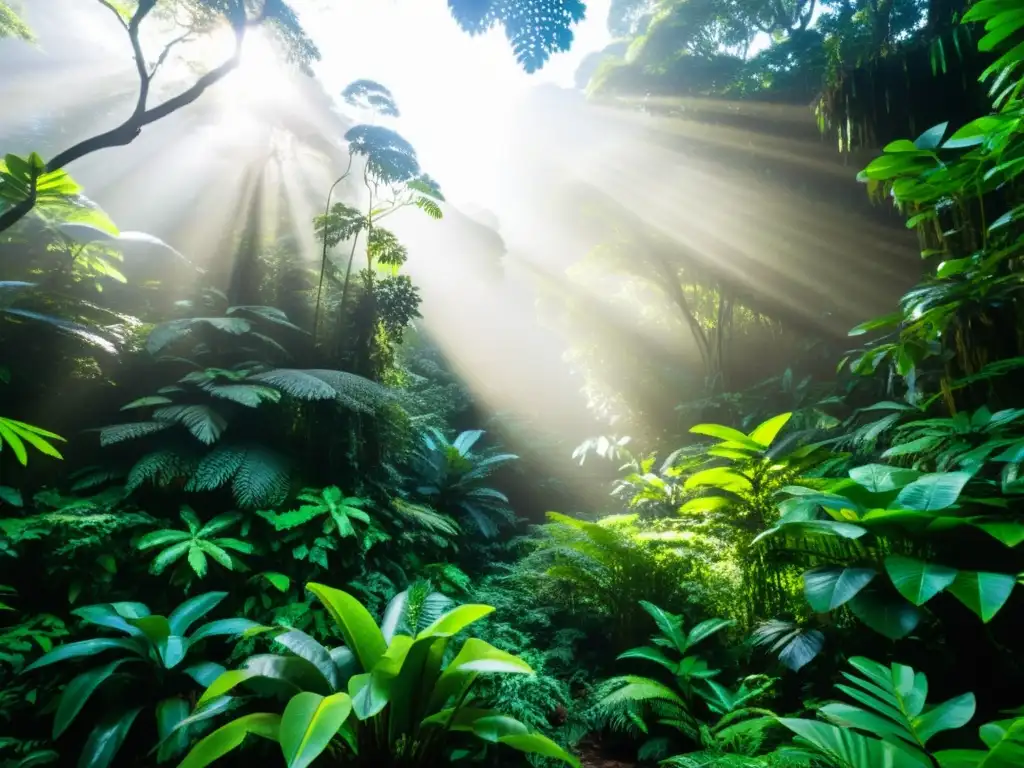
x,y
601,383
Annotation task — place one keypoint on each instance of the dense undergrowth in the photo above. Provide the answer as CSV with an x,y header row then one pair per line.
x,y
269,533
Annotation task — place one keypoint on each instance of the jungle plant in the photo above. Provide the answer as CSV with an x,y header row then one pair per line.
x,y
892,727
196,544
237,346
879,523
339,513
14,434
736,501
607,567
629,701
150,655
449,475
382,698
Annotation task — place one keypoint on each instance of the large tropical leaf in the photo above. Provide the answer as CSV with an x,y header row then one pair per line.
x,y
828,588
106,739
76,694
230,737
357,626
309,724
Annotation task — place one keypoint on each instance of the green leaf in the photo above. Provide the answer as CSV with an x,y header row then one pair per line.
x,y
197,560
933,492
455,620
917,581
106,739
155,628
225,683
193,609
765,433
309,723
170,713
931,138
650,654
226,628
848,748
77,693
304,646
893,617
828,588
726,434
84,648
950,714
984,593
881,478
357,626
279,581
536,744
230,737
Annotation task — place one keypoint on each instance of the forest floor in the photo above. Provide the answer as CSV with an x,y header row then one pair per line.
x,y
593,756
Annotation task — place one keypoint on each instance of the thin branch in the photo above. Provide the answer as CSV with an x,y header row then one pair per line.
x,y
323,262
167,49
113,10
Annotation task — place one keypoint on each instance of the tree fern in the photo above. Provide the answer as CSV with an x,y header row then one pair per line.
x,y
161,468
259,477
118,433
173,331
205,424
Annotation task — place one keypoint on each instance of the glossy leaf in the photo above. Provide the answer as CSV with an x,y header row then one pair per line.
x,y
230,737
918,581
933,492
170,713
828,588
309,723
357,626
106,739
984,593
193,609
76,694
82,648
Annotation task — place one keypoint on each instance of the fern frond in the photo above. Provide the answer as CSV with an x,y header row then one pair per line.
x,y
205,424
118,433
172,331
249,395
160,468
259,477
424,517
299,384
354,392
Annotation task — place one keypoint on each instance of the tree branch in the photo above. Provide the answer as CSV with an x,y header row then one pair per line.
x,y
127,132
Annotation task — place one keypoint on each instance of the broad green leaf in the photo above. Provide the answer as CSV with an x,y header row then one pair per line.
x,y
278,581
705,629
306,647
984,593
828,588
950,714
891,616
766,432
848,748
76,694
204,672
933,492
536,744
106,739
726,434
170,713
474,657
1005,742
230,737
650,654
917,581
85,648
455,620
193,609
226,682
880,478
155,628
357,626
227,628
309,723
931,138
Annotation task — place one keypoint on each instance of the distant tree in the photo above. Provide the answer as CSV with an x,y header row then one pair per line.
x,y
11,24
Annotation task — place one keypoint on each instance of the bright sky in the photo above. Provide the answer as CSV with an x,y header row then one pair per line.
x,y
456,92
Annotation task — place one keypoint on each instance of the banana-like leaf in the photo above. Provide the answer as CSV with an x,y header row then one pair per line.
x,y
306,647
106,739
230,737
76,694
170,713
357,626
85,648
309,723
